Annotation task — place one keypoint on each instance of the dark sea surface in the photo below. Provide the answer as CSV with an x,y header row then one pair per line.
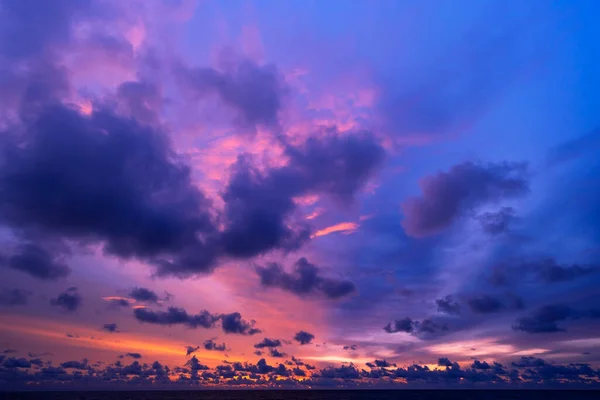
x,y
309,395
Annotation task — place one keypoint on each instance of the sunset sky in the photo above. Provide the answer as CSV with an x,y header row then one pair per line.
x,y
296,193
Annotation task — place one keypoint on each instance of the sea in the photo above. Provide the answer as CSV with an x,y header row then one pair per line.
x,y
310,395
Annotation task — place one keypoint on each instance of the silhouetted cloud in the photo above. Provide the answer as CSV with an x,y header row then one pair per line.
x,y
257,204
136,356
144,295
266,342
496,222
304,280
112,327
417,328
485,304
253,91
191,349
70,299
447,194
176,316
14,297
273,352
233,323
230,323
448,305
82,365
545,319
38,262
303,337
212,345
98,168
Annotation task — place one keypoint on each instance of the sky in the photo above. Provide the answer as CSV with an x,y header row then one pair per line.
x,y
299,194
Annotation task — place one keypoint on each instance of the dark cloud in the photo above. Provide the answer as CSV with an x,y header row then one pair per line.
x,y
496,222
304,280
13,362
403,325
351,347
141,100
75,364
118,183
447,194
448,306
485,304
549,271
70,299
112,181
110,328
144,295
233,323
136,356
480,365
426,327
14,297
444,362
273,352
380,364
212,345
191,349
266,342
35,26
258,204
253,91
38,262
118,303
541,270
176,316
303,337
575,148
545,319
230,323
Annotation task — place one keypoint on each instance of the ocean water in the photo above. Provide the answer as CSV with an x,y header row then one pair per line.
x,y
310,395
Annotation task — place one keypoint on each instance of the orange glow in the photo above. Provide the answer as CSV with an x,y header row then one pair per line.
x,y
345,227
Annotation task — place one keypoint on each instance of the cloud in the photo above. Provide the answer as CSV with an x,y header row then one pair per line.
x,y
70,300
212,345
34,27
13,362
176,316
545,319
485,304
253,91
14,297
266,342
273,352
38,262
495,223
136,356
346,227
110,327
303,337
541,270
258,204
447,194
118,302
233,323
304,280
191,349
97,167
144,295
448,306
82,365
426,327
230,323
